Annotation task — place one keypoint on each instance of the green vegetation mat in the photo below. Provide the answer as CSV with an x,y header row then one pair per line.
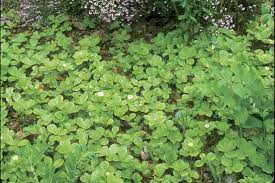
x,y
104,107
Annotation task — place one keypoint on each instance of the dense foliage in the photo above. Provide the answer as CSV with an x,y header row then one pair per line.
x,y
103,106
193,14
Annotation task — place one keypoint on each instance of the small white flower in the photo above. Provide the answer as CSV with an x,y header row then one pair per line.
x,y
190,144
15,158
107,173
130,97
266,68
100,94
64,65
206,125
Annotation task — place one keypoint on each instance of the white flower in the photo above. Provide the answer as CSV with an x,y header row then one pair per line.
x,y
266,68
15,158
100,94
190,144
206,125
64,65
130,97
107,173
111,10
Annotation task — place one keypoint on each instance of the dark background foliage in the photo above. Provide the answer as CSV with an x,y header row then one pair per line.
x,y
195,13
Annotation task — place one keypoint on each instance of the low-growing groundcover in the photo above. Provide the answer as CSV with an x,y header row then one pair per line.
x,y
166,110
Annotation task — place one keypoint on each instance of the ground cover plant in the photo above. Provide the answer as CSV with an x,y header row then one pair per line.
x,y
81,104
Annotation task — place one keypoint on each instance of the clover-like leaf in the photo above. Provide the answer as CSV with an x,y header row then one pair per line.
x,y
65,147
81,56
226,145
160,169
155,118
187,52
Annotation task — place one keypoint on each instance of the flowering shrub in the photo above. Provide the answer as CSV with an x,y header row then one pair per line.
x,y
124,10
112,10
29,11
226,14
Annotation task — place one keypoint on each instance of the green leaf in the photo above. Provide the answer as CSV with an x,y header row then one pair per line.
x,y
269,125
115,129
180,165
237,166
198,163
252,122
211,156
58,163
226,145
85,178
85,124
120,111
155,118
64,147
160,169
89,41
113,179
187,52
81,56
226,161
56,101
52,128
156,61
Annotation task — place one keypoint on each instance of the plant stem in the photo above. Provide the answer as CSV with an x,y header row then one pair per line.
x,y
175,8
213,173
33,171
